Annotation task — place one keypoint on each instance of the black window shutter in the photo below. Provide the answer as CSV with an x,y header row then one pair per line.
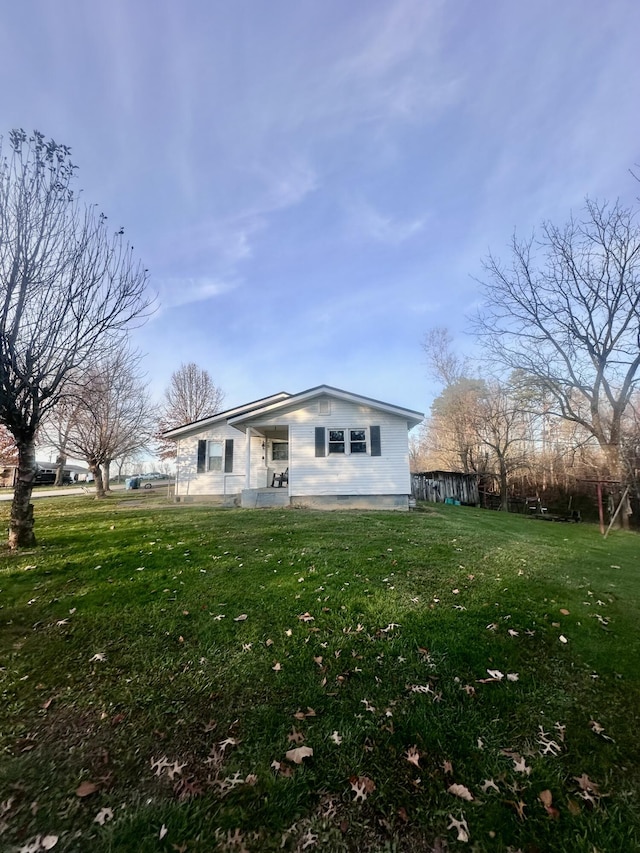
x,y
202,456
320,448
376,449
228,455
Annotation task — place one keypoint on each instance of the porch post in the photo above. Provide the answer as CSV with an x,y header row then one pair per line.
x,y
247,473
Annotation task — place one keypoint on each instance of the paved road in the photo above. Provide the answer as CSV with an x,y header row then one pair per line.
x,y
57,493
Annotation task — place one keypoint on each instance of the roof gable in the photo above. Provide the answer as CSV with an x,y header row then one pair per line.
x,y
412,417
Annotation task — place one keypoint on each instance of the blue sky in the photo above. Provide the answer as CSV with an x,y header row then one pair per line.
x,y
313,185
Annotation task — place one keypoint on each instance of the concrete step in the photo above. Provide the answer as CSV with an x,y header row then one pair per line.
x,y
257,498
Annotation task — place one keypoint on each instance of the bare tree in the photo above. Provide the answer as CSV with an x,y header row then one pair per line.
x,y
501,426
113,418
67,286
56,430
445,366
566,311
190,396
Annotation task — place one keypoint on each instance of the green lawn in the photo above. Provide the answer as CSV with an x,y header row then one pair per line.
x,y
445,673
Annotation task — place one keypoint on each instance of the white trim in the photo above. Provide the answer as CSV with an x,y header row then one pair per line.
x,y
347,441
247,469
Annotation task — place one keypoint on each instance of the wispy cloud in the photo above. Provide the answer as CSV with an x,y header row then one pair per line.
x,y
367,222
222,244
177,292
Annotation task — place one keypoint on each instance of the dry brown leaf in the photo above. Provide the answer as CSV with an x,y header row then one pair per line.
x,y
587,785
305,617
298,754
519,807
460,791
460,826
241,618
361,786
86,788
520,766
103,816
413,756
295,736
546,798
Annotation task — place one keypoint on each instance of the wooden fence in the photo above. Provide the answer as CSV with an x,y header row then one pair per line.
x,y
440,486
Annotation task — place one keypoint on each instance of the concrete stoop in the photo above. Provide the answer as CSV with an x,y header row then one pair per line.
x,y
258,498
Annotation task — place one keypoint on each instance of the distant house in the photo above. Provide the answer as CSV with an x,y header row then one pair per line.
x,y
322,448
45,474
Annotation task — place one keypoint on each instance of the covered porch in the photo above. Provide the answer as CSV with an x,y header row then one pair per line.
x,y
267,460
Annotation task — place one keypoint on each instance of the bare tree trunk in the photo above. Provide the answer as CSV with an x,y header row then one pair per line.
x,y
21,523
94,467
504,486
106,475
616,472
61,461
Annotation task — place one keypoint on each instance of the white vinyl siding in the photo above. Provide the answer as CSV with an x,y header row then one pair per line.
x,y
214,480
351,473
348,474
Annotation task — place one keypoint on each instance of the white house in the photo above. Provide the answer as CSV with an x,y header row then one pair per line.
x,y
323,448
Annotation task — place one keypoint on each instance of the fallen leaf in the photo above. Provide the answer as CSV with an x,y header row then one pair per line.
x,y
86,788
336,738
103,816
361,786
276,667
99,657
447,767
163,832
546,798
241,618
460,827
297,755
519,807
306,617
489,784
587,785
564,611
599,730
295,736
563,639
413,756
520,766
460,791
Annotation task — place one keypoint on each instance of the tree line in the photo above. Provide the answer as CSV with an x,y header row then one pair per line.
x,y
556,399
